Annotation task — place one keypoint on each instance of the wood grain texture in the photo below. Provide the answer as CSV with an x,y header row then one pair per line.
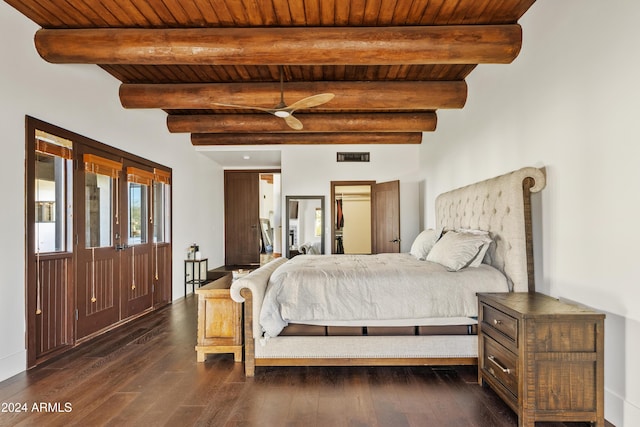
x,y
308,42
370,96
219,320
551,367
458,44
145,373
242,218
306,138
267,13
336,122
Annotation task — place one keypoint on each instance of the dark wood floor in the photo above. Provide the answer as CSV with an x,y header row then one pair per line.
x,y
146,374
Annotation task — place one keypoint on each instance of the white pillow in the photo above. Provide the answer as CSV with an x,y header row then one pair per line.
x,y
457,250
483,250
480,257
424,242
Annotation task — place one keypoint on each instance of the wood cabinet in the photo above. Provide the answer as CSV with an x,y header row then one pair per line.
x,y
219,320
542,356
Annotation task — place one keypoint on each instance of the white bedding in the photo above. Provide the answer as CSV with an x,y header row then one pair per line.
x,y
366,290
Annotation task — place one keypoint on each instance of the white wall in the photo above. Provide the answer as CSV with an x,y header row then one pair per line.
x,y
84,99
570,102
356,232
309,170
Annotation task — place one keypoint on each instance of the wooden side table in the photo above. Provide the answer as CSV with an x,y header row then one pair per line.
x,y
542,356
196,267
219,320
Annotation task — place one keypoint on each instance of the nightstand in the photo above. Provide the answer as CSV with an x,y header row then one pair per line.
x,y
542,356
219,320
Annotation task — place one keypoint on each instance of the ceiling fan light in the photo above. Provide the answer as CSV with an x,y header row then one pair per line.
x,y
282,113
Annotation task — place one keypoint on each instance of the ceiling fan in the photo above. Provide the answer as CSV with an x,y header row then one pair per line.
x,y
285,111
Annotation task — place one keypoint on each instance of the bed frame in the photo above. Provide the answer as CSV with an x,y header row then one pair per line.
x,y
500,205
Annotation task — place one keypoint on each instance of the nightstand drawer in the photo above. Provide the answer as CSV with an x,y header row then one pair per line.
x,y
501,322
500,364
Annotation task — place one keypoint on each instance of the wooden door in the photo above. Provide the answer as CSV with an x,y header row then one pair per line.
x,y
49,257
241,217
97,233
385,211
137,234
161,274
161,223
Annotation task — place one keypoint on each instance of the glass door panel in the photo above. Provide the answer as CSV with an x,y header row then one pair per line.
x,y
138,213
137,277
161,212
98,261
51,203
98,190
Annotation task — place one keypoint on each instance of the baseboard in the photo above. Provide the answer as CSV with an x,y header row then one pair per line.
x,y
13,364
631,415
620,412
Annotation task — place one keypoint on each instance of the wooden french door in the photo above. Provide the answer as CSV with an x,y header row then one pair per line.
x,y
98,237
137,234
114,240
242,217
385,211
49,255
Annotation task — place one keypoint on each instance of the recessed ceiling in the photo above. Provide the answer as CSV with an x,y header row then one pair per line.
x,y
247,159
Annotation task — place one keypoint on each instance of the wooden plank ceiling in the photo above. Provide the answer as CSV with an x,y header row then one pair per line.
x,y
390,64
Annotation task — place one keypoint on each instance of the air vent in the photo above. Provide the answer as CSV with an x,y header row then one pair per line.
x,y
352,157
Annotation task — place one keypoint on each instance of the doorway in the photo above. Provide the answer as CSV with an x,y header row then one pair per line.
x,y
251,216
365,217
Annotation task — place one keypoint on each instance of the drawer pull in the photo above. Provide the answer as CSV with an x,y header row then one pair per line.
x,y
497,322
493,360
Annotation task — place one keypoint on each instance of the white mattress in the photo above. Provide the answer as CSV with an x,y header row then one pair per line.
x,y
372,290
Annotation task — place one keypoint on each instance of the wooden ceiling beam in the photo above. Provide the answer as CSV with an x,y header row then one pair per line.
x,y
306,138
381,95
335,122
454,44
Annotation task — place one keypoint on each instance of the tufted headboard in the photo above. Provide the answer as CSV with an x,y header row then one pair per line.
x,y
501,206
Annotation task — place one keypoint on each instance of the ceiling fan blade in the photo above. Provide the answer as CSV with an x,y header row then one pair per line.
x,y
244,107
311,101
293,122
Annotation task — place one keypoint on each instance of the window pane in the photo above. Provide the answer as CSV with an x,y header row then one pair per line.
x,y
50,185
98,210
138,213
161,212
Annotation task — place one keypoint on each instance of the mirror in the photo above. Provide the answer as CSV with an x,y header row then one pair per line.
x,y
304,225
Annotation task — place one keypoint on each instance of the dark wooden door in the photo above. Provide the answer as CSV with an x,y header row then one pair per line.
x,y
242,217
161,273
49,257
385,212
136,279
97,232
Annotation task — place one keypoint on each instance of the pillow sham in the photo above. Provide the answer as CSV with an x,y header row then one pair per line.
x,y
424,242
456,250
483,250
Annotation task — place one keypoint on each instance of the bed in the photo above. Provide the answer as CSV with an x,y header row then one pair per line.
x,y
374,333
